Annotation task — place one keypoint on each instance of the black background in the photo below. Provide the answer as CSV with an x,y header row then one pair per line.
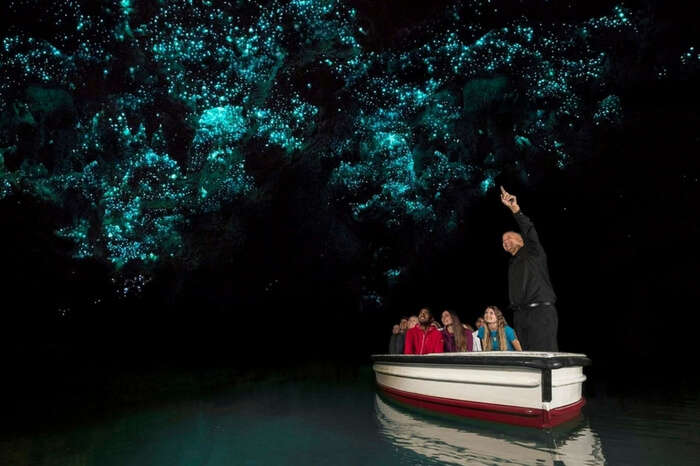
x,y
620,228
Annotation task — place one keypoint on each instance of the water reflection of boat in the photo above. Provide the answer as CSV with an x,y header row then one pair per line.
x,y
474,442
522,388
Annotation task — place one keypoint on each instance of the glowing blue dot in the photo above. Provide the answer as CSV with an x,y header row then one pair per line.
x,y
487,183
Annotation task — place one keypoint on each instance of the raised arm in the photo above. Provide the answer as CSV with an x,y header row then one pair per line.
x,y
527,229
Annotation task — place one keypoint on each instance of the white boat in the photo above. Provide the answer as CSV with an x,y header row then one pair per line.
x,y
523,388
478,443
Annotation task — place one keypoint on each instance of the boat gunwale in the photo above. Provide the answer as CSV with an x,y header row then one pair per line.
x,y
550,361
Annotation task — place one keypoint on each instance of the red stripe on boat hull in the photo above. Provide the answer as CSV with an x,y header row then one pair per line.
x,y
515,415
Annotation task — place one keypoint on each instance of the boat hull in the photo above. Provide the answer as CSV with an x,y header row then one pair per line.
x,y
514,415
529,389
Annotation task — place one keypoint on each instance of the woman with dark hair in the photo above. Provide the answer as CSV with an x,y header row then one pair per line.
x,y
500,336
456,337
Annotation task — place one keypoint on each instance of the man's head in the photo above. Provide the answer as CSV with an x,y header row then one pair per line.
x,y
403,324
479,322
395,330
412,322
512,242
425,317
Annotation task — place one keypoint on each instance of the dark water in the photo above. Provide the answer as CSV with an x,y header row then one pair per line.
x,y
341,421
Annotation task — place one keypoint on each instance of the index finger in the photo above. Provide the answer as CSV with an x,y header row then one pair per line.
x,y
503,191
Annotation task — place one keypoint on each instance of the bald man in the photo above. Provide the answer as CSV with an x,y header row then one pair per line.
x,y
530,291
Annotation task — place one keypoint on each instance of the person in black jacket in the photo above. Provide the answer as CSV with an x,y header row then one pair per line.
x,y
530,290
397,341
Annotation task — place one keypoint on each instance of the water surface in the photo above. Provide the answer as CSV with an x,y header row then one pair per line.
x,y
342,421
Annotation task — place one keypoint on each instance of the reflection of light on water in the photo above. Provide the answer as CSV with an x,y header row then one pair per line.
x,y
473,444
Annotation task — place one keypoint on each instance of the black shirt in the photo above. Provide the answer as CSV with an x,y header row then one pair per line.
x,y
528,276
396,343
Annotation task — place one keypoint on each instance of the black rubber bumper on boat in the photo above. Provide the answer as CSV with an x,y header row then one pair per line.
x,y
536,362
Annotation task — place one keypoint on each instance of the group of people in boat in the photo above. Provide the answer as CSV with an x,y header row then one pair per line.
x,y
422,334
532,301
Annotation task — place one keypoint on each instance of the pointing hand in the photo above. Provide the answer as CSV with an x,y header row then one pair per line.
x,y
509,200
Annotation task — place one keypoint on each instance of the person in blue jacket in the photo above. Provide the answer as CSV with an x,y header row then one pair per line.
x,y
496,335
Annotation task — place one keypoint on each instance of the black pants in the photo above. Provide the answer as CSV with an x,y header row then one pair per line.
x,y
536,328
